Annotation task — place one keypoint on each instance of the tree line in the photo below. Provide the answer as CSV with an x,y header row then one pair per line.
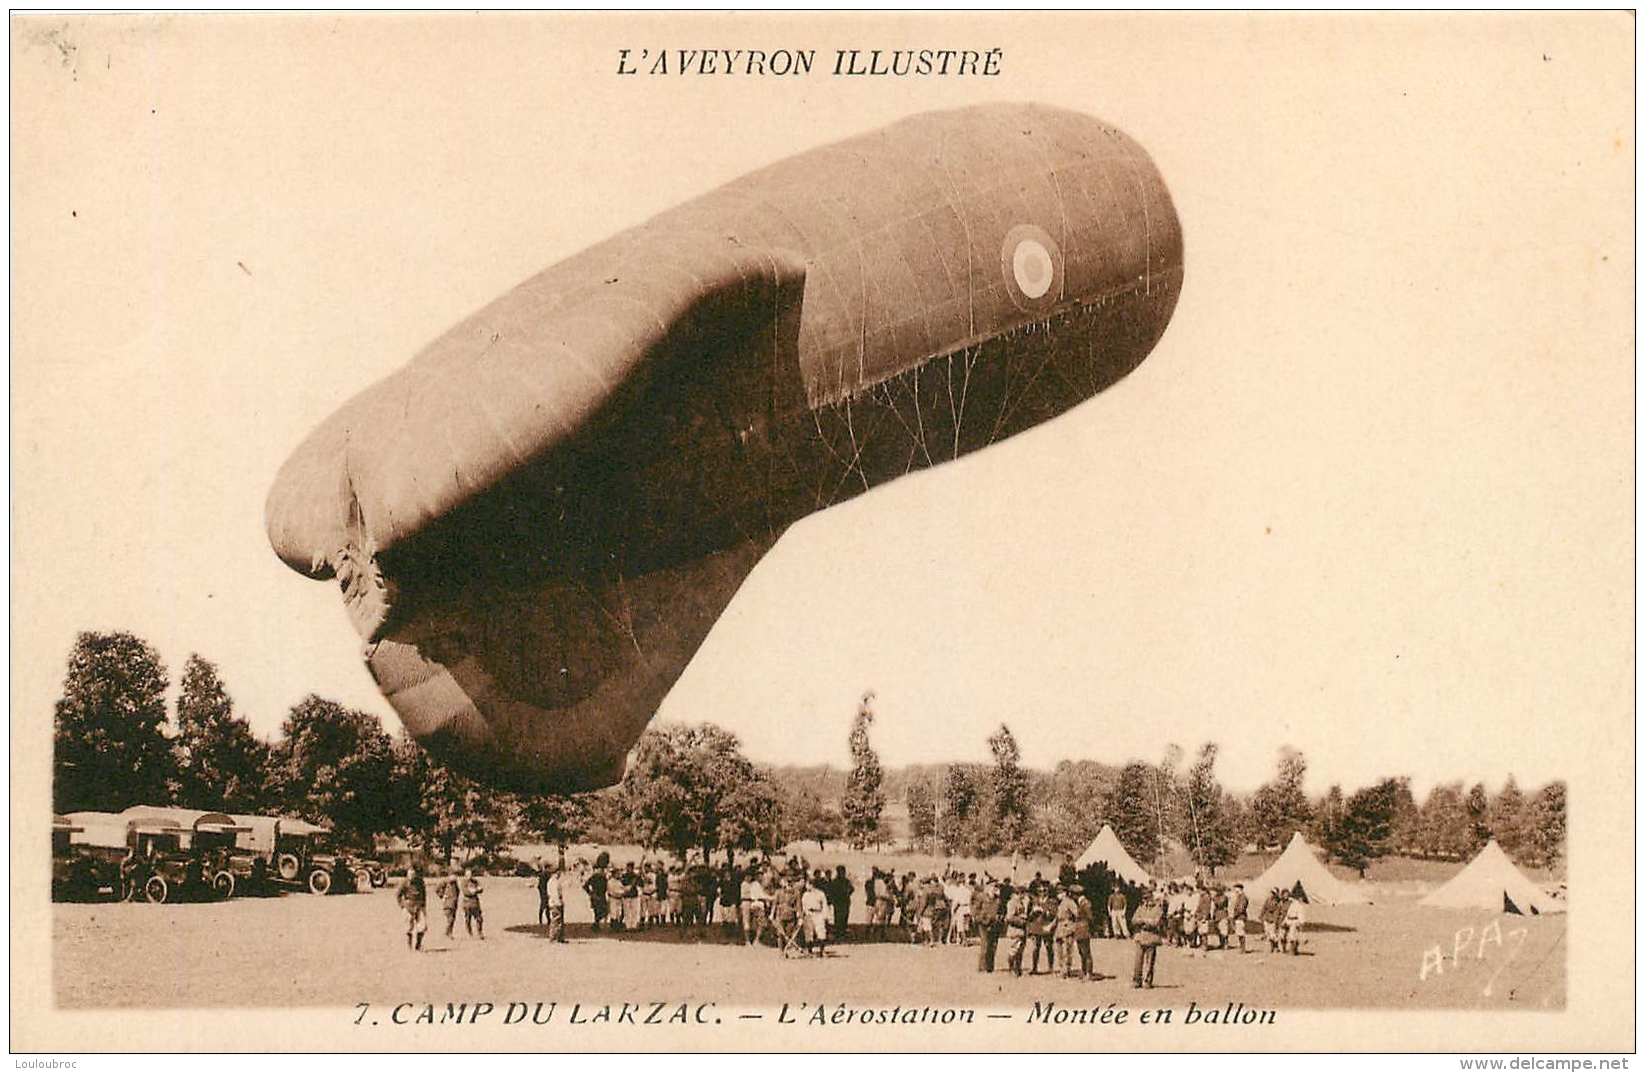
x,y
690,789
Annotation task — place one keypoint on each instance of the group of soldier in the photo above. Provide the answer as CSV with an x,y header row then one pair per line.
x,y
800,910
455,892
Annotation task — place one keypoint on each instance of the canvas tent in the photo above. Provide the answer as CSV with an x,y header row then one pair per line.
x,y
1298,870
1492,882
1107,850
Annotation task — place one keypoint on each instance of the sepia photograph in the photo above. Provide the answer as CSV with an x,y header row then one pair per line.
x,y
826,532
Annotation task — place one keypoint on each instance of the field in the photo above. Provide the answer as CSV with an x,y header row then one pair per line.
x,y
302,950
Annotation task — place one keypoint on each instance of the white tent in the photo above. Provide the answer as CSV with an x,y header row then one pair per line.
x,y
1492,882
1106,849
1298,868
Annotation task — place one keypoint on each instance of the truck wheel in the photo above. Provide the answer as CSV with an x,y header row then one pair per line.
x,y
157,890
379,878
288,866
223,884
319,881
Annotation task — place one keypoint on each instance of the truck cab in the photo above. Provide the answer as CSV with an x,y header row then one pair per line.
x,y
295,853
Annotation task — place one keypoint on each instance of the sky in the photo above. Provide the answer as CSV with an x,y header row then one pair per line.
x,y
1371,496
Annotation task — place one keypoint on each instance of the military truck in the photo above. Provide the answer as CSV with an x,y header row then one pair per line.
x,y
161,869
75,875
211,839
296,853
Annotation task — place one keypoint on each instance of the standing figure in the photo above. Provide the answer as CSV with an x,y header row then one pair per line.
x,y
1084,923
1146,932
785,915
754,912
596,887
473,921
885,898
1042,917
413,901
1296,915
1068,912
449,894
1273,911
814,913
1238,910
1117,927
1016,930
987,911
843,889
555,895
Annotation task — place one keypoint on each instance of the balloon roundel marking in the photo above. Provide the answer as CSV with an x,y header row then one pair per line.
x,y
1031,262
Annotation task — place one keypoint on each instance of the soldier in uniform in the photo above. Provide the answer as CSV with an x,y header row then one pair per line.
x,y
785,914
1146,931
450,894
1016,930
413,901
1239,907
1042,917
596,886
1272,913
840,899
987,911
554,893
1068,912
1296,915
1084,923
473,920
1117,927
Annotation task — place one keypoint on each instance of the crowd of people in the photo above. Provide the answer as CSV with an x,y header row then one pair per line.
x,y
800,911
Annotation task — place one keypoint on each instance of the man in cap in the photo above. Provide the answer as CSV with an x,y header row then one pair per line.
x,y
413,901
1016,930
986,910
473,919
1068,912
1084,923
1042,922
449,894
556,904
1238,909
1147,932
1272,913
1117,927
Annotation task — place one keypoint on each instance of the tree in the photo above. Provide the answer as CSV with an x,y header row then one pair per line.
x,y
1279,806
1207,827
1367,824
1508,818
1166,797
456,814
1478,805
1074,799
221,765
557,819
1445,828
110,749
692,787
864,791
336,766
1327,815
922,812
1131,811
1544,844
807,818
1010,788
959,808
